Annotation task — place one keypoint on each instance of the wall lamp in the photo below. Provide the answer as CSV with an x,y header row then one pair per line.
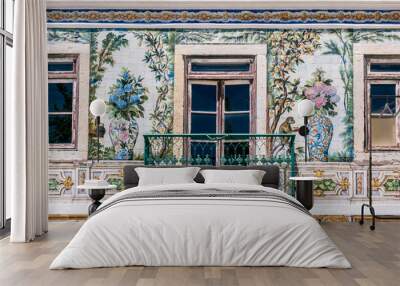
x,y
305,109
97,109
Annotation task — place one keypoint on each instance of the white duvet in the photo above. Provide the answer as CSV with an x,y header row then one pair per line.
x,y
200,231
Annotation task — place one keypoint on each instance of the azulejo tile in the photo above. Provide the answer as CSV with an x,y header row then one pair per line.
x,y
227,16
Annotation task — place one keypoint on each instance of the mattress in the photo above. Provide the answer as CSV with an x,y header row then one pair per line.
x,y
201,225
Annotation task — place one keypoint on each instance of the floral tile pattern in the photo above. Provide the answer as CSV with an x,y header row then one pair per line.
x,y
132,70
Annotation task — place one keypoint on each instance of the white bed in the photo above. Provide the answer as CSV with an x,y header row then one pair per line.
x,y
207,230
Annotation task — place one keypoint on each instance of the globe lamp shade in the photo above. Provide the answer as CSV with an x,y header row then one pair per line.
x,y
97,107
305,108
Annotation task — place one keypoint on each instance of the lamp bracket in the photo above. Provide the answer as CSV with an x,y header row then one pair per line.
x,y
304,131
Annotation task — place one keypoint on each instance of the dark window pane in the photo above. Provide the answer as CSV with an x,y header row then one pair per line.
x,y
220,67
60,67
202,153
385,67
235,153
383,95
60,97
383,106
60,129
204,97
203,123
383,89
237,123
237,97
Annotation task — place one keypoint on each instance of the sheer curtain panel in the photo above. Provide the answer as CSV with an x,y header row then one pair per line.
x,y
26,120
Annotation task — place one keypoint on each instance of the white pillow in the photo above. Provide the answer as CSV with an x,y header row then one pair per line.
x,y
166,176
248,177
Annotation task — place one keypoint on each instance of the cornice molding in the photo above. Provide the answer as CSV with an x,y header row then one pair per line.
x,y
225,4
213,16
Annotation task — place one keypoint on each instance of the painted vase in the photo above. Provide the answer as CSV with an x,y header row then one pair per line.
x,y
320,137
123,134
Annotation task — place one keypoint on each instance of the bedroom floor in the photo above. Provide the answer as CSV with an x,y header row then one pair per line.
x,y
375,257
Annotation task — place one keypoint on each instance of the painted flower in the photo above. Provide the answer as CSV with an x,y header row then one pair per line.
x,y
119,92
320,102
127,95
122,154
134,99
123,134
335,99
113,98
321,94
121,104
127,88
125,75
329,90
321,91
310,93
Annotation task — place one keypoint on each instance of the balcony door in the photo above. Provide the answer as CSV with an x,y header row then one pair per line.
x,y
220,100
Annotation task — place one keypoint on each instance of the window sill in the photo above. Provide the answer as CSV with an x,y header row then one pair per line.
x,y
67,154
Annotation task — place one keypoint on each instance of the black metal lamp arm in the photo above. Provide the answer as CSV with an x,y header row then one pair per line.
x,y
303,131
98,137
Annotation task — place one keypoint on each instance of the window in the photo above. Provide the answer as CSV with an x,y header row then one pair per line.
x,y
9,15
62,101
220,100
6,46
383,90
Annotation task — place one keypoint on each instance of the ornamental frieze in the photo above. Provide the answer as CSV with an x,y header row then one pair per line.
x,y
223,17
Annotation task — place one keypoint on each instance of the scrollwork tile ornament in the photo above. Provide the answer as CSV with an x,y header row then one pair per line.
x,y
143,16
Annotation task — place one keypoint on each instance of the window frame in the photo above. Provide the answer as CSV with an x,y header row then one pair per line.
x,y
381,78
228,75
189,103
250,112
63,77
381,60
221,78
6,40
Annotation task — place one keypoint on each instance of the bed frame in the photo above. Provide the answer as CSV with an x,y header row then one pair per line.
x,y
270,179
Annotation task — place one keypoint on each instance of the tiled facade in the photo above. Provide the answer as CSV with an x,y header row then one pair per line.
x,y
295,60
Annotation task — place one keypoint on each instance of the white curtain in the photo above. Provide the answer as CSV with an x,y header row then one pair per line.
x,y
26,123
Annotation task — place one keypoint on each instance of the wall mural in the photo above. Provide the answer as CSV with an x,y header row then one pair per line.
x,y
133,71
324,95
125,102
301,64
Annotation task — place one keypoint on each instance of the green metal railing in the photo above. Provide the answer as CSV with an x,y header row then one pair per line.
x,y
221,149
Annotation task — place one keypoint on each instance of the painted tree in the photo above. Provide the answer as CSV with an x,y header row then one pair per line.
x,y
125,105
159,57
156,58
100,59
245,36
70,35
286,50
191,37
342,46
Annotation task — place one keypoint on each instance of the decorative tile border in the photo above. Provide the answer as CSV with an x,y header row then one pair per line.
x,y
61,182
360,183
124,16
